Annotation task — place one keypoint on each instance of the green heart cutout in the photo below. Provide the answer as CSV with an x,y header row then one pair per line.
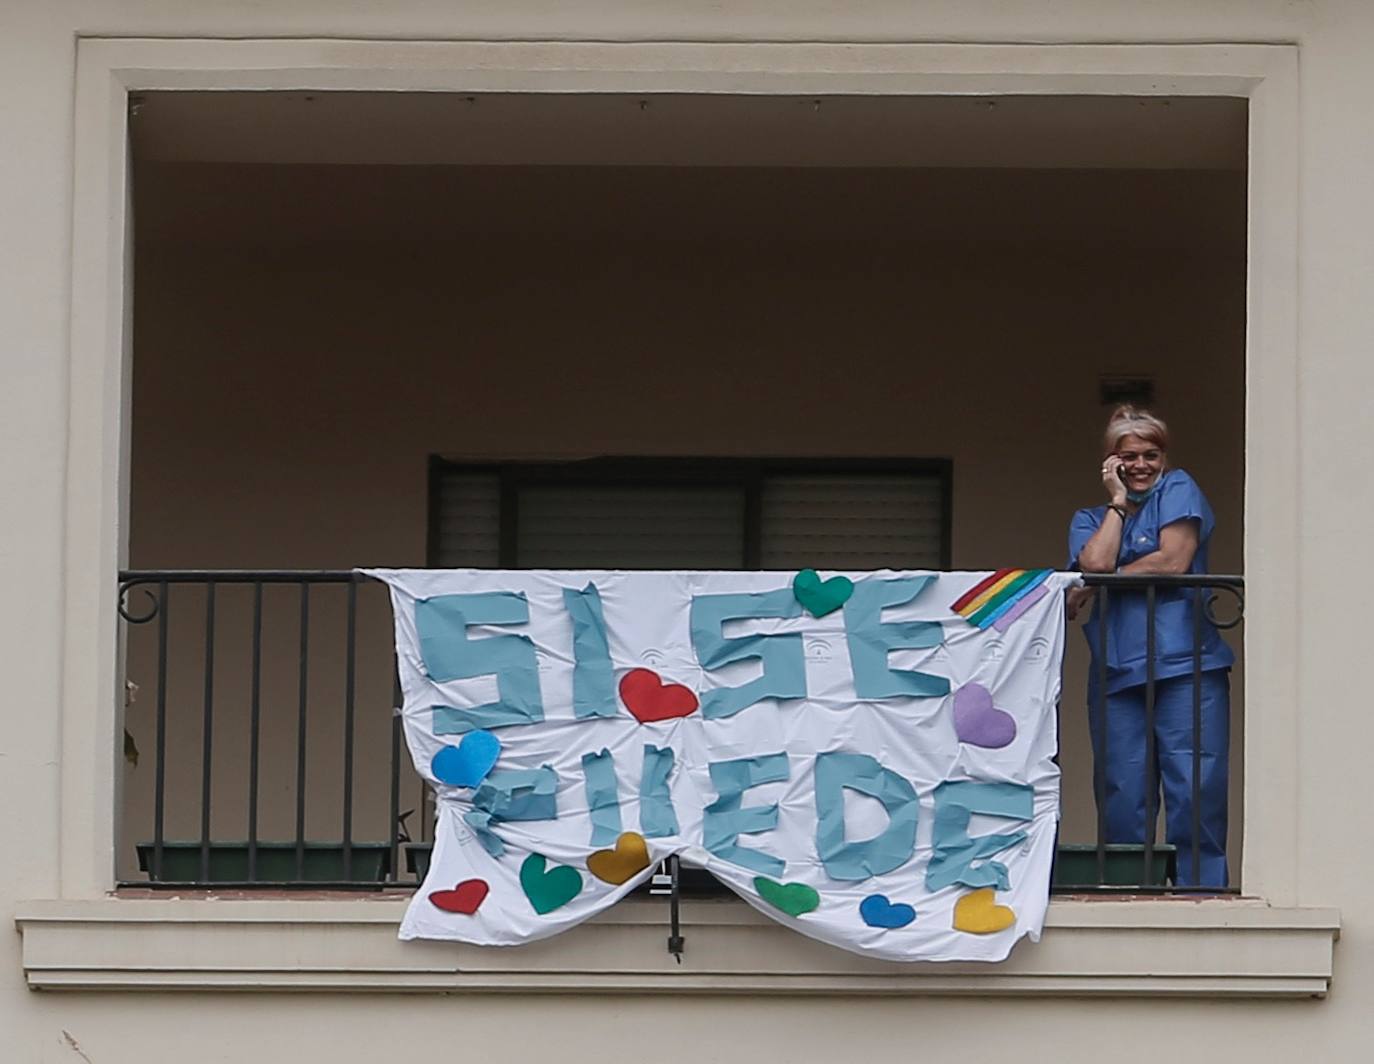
x,y
549,890
821,597
792,898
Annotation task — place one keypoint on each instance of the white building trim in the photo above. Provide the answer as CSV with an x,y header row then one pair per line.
x,y
1094,948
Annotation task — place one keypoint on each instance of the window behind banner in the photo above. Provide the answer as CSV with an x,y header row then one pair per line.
x,y
691,514
624,513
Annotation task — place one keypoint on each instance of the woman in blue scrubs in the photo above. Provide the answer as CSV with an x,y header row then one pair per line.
x,y
1156,520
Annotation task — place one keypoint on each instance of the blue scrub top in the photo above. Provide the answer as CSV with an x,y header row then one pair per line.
x,y
1175,497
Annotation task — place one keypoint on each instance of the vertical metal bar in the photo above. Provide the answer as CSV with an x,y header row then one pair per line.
x,y
1197,732
674,917
1100,768
1151,753
395,771
208,732
160,768
255,716
303,687
349,675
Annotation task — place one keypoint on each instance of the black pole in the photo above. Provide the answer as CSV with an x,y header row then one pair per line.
x,y
208,734
675,941
255,717
160,770
304,688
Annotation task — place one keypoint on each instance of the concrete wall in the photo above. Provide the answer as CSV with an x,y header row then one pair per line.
x,y
1334,508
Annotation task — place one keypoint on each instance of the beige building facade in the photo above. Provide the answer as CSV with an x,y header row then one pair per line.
x,y
262,265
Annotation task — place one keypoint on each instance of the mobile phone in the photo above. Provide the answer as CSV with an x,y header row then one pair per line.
x,y
1121,472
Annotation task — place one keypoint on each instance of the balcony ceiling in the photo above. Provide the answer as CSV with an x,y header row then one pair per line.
x,y
293,169
438,129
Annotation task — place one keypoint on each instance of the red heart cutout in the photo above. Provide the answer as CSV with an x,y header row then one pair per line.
x,y
647,697
465,898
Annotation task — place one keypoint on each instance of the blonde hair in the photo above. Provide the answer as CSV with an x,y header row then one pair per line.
x,y
1126,420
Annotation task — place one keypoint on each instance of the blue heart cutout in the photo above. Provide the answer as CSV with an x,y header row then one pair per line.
x,y
877,911
467,764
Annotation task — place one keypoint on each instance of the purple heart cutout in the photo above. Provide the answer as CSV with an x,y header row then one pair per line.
x,y
978,722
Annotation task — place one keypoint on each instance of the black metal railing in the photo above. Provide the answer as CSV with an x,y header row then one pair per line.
x,y
277,637
1128,670
272,794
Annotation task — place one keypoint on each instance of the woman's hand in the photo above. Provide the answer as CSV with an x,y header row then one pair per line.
x,y
1111,480
1075,599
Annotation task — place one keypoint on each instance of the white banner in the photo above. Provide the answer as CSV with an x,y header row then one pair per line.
x,y
865,757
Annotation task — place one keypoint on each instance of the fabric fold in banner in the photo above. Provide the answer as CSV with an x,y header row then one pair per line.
x,y
514,794
578,727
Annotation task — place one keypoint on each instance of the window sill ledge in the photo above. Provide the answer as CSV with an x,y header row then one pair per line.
x,y
1091,947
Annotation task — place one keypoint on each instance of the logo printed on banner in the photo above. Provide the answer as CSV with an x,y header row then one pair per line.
x,y
869,757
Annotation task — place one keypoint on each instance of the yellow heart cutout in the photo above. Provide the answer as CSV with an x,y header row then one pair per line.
x,y
979,914
629,857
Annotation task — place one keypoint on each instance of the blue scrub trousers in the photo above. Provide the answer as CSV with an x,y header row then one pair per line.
x,y
1122,770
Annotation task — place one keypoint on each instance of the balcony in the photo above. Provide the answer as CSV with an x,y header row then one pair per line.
x,y
338,326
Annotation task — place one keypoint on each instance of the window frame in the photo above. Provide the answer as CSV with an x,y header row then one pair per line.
x,y
748,473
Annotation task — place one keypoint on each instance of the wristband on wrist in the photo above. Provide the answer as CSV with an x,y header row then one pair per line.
x,y
1120,510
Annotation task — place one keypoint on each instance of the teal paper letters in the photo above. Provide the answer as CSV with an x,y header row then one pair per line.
x,y
954,850
724,821
782,655
871,639
889,849
442,623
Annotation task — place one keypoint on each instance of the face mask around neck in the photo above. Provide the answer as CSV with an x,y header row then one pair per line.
x,y
1137,497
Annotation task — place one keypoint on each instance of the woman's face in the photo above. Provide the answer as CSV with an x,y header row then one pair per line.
x,y
1142,463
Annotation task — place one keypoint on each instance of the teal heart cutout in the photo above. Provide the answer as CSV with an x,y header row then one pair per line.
x,y
818,596
468,763
549,890
792,898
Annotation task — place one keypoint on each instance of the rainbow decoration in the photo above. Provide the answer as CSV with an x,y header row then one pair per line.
x,y
998,600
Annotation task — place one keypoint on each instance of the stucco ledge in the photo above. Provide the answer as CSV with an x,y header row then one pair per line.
x,y
1091,947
